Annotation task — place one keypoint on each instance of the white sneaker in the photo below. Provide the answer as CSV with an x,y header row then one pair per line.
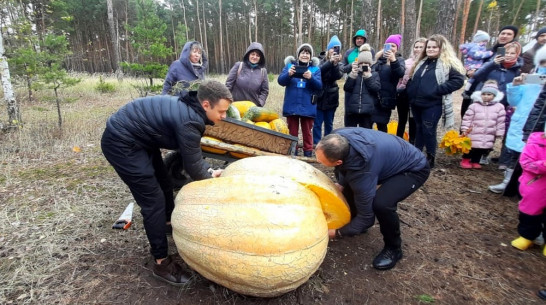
x,y
484,160
539,241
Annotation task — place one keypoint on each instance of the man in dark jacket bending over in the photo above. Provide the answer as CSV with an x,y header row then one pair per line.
x,y
364,159
131,143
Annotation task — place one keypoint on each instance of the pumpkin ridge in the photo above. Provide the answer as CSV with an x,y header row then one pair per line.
x,y
255,254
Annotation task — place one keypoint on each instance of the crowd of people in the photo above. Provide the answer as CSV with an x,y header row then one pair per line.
x,y
502,100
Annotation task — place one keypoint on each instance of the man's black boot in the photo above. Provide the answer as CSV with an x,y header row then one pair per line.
x,y
387,258
170,272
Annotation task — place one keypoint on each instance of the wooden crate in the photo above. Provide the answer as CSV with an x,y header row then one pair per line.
x,y
238,132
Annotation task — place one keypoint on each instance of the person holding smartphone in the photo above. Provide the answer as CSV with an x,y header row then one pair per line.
x,y
300,86
361,90
390,67
327,100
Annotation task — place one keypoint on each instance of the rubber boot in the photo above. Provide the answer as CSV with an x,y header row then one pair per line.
x,y
522,243
465,163
499,188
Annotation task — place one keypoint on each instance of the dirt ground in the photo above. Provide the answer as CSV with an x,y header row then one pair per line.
x,y
456,243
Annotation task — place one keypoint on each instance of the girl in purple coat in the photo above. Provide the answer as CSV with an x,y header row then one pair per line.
x,y
532,183
482,123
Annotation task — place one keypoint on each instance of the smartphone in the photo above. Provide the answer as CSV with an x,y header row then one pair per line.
x,y
299,71
501,51
535,79
336,50
386,47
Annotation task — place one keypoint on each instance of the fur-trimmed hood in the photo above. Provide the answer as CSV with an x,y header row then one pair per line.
x,y
477,97
314,62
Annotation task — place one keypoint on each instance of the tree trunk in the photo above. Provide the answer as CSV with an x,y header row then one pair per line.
x,y
402,24
113,36
222,70
14,116
199,21
329,18
457,12
446,18
300,23
466,10
378,26
411,24
517,12
478,14
185,20
367,16
418,24
205,43
58,106
256,21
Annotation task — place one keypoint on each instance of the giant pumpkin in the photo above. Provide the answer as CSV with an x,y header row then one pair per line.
x,y
333,202
257,235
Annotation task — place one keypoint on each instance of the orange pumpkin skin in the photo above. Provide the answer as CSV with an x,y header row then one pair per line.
x,y
335,207
256,235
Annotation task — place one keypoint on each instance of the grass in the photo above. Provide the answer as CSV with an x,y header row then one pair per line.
x,y
57,204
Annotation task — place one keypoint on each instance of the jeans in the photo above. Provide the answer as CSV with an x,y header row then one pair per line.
x,y
426,123
146,176
326,117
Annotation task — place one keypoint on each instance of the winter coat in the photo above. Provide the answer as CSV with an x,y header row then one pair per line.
x,y
532,181
537,116
352,53
182,70
248,83
503,76
389,76
299,91
328,98
361,94
432,84
474,55
373,157
404,80
168,122
529,58
523,98
485,121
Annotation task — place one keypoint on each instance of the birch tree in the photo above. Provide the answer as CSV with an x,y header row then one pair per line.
x,y
14,116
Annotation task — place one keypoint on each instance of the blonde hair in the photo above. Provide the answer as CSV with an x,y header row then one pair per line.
x,y
447,54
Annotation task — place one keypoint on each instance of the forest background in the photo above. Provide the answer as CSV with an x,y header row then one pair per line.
x,y
44,40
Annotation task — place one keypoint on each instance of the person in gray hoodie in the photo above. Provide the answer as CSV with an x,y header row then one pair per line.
x,y
191,66
247,80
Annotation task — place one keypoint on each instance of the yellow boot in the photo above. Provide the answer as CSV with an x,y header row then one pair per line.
x,y
522,243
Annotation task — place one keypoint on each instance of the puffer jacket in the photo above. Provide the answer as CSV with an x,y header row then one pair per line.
x,y
537,116
168,122
297,97
361,94
503,76
522,98
486,121
330,73
373,158
532,181
249,83
474,55
182,70
389,76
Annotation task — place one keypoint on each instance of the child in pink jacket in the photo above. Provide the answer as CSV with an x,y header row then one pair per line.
x,y
483,122
532,187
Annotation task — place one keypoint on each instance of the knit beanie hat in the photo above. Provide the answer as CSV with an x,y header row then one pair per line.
x,y
365,54
490,87
540,55
304,46
480,36
540,32
396,38
334,42
512,28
